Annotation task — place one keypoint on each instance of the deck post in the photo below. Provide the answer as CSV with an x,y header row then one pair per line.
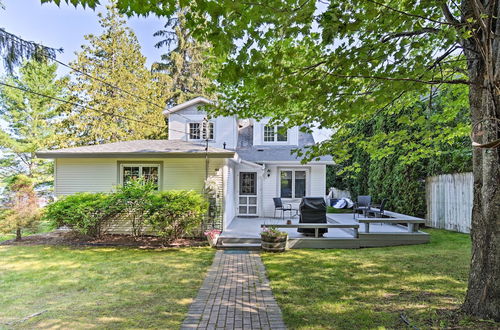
x,y
316,232
367,227
356,233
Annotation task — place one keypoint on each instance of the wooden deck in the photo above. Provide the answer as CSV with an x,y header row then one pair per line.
x,y
342,233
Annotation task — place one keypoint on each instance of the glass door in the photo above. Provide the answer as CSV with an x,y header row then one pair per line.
x,y
247,198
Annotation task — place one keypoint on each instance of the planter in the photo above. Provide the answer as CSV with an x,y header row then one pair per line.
x,y
274,244
213,240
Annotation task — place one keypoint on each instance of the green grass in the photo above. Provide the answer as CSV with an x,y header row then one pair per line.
x,y
43,227
98,287
370,288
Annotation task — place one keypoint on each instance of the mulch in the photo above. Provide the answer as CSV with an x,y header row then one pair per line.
x,y
67,237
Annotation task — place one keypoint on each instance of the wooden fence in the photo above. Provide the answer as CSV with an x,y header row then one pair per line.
x,y
449,201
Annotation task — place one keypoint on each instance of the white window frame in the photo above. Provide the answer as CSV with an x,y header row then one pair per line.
x,y
203,130
140,165
275,138
293,170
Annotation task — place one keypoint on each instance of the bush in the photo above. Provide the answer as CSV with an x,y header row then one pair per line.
x,y
173,214
84,212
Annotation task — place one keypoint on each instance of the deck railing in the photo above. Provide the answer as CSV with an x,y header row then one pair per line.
x,y
394,218
317,226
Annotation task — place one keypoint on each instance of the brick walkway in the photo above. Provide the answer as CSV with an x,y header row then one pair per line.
x,y
235,295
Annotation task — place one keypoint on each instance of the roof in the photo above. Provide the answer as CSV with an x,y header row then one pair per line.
x,y
151,148
187,104
273,153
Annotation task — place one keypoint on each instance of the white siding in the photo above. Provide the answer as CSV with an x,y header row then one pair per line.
x,y
226,129
268,187
101,174
258,135
229,189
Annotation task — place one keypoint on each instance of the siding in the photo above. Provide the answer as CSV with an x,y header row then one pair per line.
x,y
225,127
101,174
449,201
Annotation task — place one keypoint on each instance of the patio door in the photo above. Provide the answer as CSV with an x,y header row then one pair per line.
x,y
247,197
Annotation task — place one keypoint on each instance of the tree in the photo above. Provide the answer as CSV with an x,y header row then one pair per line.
x,y
13,50
185,64
29,120
333,62
124,88
23,211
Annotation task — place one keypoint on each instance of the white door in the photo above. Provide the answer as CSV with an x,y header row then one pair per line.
x,y
247,197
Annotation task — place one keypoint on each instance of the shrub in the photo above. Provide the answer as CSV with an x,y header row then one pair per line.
x,y
22,206
173,214
132,199
84,212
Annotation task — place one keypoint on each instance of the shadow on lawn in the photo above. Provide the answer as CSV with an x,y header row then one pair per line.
x,y
103,287
369,288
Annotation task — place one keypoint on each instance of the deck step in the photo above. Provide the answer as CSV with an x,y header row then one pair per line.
x,y
234,240
239,246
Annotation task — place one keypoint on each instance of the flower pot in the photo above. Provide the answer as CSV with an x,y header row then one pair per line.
x,y
213,240
273,243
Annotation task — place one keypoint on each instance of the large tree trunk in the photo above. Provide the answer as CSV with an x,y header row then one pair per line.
x,y
483,294
18,234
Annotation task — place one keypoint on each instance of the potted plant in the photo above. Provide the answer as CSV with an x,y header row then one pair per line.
x,y
212,236
273,240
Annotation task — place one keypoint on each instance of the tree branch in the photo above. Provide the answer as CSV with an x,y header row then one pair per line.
x,y
408,14
430,82
448,15
409,34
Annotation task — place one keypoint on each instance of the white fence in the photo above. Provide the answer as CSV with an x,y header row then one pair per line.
x,y
449,201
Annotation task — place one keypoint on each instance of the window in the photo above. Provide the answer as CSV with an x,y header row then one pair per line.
x,y
194,131
199,131
275,134
293,183
248,183
148,172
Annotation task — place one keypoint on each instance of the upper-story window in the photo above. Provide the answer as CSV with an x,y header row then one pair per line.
x,y
275,134
201,131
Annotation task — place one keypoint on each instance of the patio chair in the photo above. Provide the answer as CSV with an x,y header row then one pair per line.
x,y
279,206
377,213
363,204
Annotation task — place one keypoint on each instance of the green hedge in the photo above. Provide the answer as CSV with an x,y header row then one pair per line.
x,y
171,214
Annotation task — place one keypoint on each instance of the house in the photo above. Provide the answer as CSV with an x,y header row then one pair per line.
x,y
250,161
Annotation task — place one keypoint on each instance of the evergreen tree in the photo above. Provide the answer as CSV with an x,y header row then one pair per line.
x,y
185,65
115,58
29,120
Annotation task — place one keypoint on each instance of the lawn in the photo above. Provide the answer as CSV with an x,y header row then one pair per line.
x,y
371,288
98,287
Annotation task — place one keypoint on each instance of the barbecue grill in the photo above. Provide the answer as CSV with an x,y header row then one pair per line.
x,y
312,210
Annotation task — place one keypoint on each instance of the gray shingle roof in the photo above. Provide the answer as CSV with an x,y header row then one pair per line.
x,y
247,151
137,147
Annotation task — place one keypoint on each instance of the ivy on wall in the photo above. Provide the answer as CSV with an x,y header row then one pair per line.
x,y
398,173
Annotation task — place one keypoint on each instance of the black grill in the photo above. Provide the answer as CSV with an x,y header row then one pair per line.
x,y
312,210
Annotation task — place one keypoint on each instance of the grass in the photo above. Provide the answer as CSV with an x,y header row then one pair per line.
x,y
371,288
98,287
43,227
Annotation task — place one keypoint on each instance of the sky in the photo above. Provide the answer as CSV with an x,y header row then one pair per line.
x,y
65,26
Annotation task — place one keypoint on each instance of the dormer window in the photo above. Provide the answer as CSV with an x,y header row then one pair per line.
x,y
275,134
199,131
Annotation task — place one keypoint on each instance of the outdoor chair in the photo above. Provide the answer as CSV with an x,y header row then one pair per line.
x,y
363,205
377,213
279,206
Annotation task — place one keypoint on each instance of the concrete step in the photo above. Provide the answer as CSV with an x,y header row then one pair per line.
x,y
235,240
238,246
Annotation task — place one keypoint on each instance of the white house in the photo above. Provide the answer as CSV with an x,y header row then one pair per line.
x,y
251,161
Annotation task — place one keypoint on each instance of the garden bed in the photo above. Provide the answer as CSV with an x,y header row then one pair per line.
x,y
71,238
